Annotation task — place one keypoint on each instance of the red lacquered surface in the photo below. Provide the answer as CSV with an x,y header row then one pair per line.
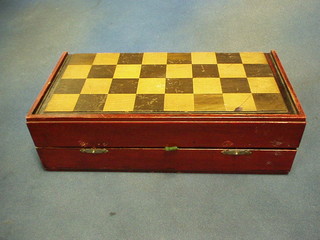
x,y
158,160
159,134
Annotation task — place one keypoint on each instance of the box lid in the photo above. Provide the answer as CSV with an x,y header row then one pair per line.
x,y
197,84
234,100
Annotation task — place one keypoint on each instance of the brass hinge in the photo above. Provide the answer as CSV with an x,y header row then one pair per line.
x,y
93,150
236,152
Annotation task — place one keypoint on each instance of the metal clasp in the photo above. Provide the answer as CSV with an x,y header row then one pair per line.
x,y
170,149
236,152
93,150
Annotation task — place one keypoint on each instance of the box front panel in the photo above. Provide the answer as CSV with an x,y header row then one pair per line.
x,y
161,134
159,160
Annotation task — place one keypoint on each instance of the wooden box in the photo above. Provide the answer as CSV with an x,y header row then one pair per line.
x,y
168,112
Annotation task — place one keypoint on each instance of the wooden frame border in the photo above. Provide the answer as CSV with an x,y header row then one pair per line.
x,y
288,84
46,85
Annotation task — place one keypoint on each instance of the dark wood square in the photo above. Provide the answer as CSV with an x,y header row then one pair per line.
x,y
90,102
179,58
235,85
82,59
130,58
205,70
179,85
71,86
153,71
258,70
228,58
149,102
269,102
102,71
124,86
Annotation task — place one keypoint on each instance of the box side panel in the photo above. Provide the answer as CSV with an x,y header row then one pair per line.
x,y
161,134
158,160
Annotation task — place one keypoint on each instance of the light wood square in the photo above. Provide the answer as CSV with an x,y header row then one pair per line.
x,y
62,102
151,86
231,71
154,58
208,102
127,71
76,71
206,85
263,85
243,101
179,71
106,59
203,58
96,86
120,102
178,102
253,58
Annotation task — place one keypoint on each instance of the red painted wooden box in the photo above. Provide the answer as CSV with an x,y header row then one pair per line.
x,y
168,112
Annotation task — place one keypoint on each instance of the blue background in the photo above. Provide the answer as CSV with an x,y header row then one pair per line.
x,y
35,204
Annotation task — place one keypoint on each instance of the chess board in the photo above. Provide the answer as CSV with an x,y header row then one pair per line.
x,y
166,82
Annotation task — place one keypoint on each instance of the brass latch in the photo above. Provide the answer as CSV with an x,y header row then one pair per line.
x,y
93,150
170,149
236,152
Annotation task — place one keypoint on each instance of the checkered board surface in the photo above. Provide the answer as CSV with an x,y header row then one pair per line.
x,y
165,82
